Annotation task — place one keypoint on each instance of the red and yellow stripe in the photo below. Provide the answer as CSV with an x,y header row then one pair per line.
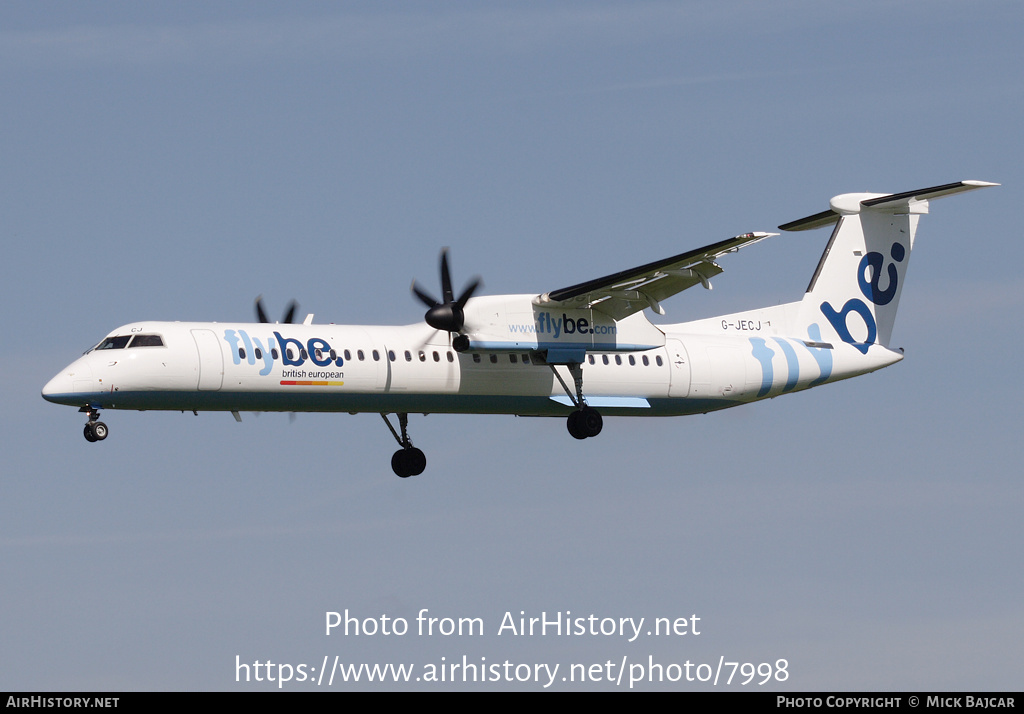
x,y
308,383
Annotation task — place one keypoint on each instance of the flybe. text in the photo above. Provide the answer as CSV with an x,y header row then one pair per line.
x,y
290,351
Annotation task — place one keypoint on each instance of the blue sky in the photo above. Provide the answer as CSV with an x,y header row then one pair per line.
x,y
173,162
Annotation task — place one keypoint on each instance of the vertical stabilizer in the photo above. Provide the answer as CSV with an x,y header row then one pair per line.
x,y
855,290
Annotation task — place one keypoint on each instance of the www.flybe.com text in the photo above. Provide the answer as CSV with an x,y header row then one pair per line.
x,y
564,325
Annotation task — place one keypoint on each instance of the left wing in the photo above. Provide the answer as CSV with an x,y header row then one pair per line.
x,y
621,294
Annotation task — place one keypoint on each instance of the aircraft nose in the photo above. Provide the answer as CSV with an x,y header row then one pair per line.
x,y
61,389
60,385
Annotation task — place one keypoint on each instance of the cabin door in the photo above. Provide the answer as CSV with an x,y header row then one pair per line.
x,y
211,361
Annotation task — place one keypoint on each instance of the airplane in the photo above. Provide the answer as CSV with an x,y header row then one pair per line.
x,y
581,352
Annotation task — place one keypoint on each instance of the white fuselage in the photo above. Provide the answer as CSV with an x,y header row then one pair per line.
x,y
668,370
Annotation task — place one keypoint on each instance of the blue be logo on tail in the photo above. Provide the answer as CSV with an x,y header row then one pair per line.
x,y
869,276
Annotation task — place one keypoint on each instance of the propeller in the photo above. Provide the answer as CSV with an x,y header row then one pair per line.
x,y
289,315
448,315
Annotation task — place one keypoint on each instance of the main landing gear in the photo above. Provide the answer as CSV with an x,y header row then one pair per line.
x,y
407,461
585,421
95,430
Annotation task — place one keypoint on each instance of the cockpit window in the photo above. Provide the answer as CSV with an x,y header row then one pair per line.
x,y
147,341
114,343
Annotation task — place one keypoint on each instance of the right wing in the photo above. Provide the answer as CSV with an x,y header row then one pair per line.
x,y
624,293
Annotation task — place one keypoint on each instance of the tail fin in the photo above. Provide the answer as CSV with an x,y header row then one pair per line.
x,y
862,269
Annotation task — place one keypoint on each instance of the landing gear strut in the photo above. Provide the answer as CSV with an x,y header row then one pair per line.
x,y
585,421
407,461
95,430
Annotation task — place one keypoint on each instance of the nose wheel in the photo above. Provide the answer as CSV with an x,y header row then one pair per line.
x,y
95,430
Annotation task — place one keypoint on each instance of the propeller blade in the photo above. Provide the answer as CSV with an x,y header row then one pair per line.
x,y
426,341
261,315
424,296
289,316
446,278
467,293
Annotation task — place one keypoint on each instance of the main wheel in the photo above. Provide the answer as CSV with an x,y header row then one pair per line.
x,y
89,435
575,425
99,430
408,462
584,423
591,420
399,464
417,461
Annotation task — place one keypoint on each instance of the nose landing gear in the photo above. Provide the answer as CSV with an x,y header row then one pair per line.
x,y
95,430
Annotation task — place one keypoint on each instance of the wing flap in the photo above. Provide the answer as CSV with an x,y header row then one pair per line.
x,y
608,402
629,291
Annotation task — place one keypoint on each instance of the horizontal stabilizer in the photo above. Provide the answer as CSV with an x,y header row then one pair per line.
x,y
852,203
925,194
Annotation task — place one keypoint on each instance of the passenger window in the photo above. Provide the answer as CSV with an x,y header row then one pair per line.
x,y
526,359
604,359
273,353
632,361
476,358
257,351
512,358
241,352
408,356
590,358
658,360
451,357
437,357
360,355
423,356
376,356
646,361
618,359
391,355
494,359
